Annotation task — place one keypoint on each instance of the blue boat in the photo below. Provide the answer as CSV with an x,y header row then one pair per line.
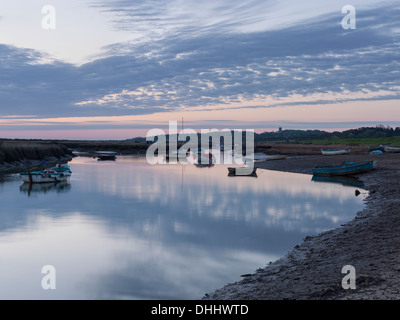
x,y
346,168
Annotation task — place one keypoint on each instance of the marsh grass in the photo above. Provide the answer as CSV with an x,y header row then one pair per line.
x,y
15,150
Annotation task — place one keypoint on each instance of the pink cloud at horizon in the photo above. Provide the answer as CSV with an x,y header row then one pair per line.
x,y
321,117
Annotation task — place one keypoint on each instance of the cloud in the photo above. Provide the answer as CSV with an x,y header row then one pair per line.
x,y
218,63
318,59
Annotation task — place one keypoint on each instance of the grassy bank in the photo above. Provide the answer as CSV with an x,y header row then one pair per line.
x,y
393,141
122,147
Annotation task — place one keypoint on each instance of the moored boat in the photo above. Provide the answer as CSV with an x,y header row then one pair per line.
x,y
56,174
332,152
346,168
232,171
106,155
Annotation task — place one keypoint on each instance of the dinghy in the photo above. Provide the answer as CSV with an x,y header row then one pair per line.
x,y
56,174
333,152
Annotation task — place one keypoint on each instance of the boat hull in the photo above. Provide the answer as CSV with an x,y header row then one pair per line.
x,y
106,158
106,155
333,152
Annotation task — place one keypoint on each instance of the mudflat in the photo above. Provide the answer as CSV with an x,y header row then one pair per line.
x,y
370,243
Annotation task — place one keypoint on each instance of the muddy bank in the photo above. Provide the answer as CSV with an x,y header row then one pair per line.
x,y
370,243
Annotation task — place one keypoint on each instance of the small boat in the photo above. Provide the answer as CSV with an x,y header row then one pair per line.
x,y
333,152
376,152
346,168
259,156
232,171
57,174
105,155
380,148
392,149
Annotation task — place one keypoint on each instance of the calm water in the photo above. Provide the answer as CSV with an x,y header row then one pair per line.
x,y
128,230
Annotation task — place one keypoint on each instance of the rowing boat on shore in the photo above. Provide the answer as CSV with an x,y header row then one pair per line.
x,y
392,149
333,152
264,157
346,168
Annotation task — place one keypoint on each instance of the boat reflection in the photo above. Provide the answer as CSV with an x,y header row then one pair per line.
x,y
343,180
58,187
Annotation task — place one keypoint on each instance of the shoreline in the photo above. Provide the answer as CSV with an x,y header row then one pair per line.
x,y
312,269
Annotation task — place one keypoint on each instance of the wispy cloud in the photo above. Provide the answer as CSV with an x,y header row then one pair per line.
x,y
212,55
317,62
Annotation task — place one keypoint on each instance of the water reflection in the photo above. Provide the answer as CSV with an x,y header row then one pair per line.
x,y
130,230
343,180
59,187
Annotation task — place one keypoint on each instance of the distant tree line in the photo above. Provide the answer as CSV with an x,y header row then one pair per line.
x,y
379,131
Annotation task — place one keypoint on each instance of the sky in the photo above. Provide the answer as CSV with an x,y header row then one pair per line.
x,y
116,69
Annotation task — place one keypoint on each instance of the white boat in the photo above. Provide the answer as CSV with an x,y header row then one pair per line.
x,y
392,149
57,174
265,157
275,157
332,152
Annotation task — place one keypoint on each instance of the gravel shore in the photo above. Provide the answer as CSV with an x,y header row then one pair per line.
x,y
312,269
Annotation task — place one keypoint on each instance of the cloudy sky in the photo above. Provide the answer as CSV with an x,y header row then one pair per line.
x,y
115,69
